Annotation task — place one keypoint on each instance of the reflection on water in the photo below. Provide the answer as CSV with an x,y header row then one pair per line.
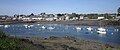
x,y
45,30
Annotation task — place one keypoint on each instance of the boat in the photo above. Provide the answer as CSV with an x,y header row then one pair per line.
x,y
6,26
51,28
89,28
117,30
38,24
78,28
101,29
43,27
31,25
101,32
1,25
26,26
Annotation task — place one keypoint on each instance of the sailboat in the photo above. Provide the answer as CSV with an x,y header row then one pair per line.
x,y
101,30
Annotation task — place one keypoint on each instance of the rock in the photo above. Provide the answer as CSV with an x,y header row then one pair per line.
x,y
45,38
74,40
40,46
26,40
53,37
107,46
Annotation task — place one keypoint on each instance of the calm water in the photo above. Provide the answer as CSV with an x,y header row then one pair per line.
x,y
112,35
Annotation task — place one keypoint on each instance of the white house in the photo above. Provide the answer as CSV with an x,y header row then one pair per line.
x,y
55,15
81,17
49,19
67,18
4,17
101,17
26,19
37,18
14,18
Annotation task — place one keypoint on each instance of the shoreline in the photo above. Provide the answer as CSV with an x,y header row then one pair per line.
x,y
68,41
76,22
21,36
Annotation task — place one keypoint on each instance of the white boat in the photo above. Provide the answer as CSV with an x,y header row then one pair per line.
x,y
38,24
6,26
1,25
43,27
26,26
89,28
116,30
101,29
78,28
101,32
51,28
31,25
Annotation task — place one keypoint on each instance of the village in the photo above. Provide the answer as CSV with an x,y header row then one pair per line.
x,y
65,18
59,17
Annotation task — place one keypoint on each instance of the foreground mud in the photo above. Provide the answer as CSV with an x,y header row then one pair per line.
x,y
63,43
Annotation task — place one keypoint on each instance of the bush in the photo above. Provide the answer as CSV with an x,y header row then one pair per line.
x,y
2,35
7,43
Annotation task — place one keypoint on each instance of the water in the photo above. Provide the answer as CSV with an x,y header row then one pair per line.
x,y
46,30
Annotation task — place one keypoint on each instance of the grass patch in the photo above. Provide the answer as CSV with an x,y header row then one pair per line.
x,y
8,43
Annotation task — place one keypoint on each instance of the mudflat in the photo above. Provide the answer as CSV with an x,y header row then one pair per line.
x,y
65,43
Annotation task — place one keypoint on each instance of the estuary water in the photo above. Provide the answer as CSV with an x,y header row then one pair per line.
x,y
46,30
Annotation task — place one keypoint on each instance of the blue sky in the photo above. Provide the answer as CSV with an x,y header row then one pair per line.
x,y
11,7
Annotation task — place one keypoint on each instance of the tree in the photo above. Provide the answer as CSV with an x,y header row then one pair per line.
x,y
75,15
118,11
31,14
59,15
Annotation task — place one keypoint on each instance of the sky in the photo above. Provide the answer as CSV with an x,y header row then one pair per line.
x,y
11,7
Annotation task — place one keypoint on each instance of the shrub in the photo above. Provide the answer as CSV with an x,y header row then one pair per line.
x,y
7,43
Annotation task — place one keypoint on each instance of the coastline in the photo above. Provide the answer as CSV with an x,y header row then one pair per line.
x,y
76,22
67,42
57,43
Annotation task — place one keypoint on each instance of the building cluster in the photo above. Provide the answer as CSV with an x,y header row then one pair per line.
x,y
41,17
60,17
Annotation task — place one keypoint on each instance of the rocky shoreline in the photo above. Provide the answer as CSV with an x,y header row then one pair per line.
x,y
64,43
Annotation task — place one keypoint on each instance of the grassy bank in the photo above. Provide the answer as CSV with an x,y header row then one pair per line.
x,y
12,43
8,43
